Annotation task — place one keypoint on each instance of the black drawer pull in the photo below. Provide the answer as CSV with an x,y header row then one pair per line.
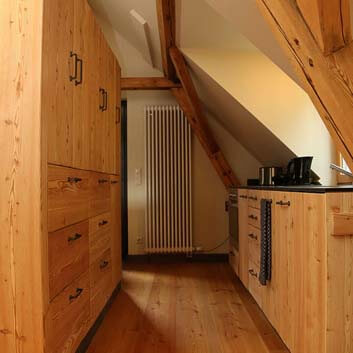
x,y
102,181
254,198
252,236
243,196
105,100
74,77
114,182
73,179
75,296
79,82
102,106
103,223
253,273
103,264
253,217
74,237
283,203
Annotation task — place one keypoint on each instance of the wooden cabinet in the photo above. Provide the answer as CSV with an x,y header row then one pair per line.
x,y
302,299
243,237
115,197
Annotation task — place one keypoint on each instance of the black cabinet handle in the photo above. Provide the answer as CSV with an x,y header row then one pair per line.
x,y
243,196
103,264
73,179
74,55
102,181
253,273
231,253
79,82
283,203
254,198
106,101
252,236
114,182
253,217
74,237
103,223
101,106
75,296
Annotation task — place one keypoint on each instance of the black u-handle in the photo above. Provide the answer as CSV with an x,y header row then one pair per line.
x,y
74,55
101,106
105,100
79,82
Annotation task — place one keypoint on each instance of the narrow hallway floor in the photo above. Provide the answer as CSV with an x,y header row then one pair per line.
x,y
184,308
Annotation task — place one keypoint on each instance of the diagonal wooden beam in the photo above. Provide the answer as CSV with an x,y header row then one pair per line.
x,y
147,83
327,79
188,100
166,25
329,22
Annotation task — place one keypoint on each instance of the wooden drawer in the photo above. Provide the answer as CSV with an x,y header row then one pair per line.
x,y
254,218
255,287
68,252
254,197
68,196
99,235
234,259
68,316
100,269
254,244
100,194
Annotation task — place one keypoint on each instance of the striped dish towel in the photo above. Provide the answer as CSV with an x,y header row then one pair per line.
x,y
266,242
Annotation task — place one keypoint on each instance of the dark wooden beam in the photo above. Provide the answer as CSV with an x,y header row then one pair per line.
x,y
329,22
147,83
327,79
166,25
188,100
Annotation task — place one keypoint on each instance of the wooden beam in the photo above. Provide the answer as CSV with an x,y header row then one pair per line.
x,y
166,25
329,22
189,101
147,83
327,79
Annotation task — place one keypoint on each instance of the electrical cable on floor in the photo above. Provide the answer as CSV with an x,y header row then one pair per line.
x,y
218,246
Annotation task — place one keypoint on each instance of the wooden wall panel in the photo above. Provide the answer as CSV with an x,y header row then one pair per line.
x,y
20,177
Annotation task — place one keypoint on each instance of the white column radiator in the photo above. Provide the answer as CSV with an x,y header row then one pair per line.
x,y
168,181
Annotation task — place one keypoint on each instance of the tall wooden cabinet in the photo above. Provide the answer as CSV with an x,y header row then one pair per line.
x,y
60,253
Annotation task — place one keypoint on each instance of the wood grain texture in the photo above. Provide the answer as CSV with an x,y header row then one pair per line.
x,y
58,66
99,194
183,308
21,240
329,22
147,83
342,224
327,79
68,255
166,26
243,209
339,276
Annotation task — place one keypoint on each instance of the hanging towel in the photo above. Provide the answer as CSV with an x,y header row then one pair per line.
x,y
266,242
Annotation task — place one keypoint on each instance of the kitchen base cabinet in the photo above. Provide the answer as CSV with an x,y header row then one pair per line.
x,y
243,237
308,299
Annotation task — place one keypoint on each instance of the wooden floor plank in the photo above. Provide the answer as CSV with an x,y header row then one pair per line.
x,y
184,308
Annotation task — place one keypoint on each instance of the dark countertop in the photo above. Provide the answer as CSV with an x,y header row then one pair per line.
x,y
319,189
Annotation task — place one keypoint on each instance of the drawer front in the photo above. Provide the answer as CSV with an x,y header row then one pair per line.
x,y
100,270
254,218
99,236
68,197
234,259
68,254
100,194
254,235
255,287
68,316
100,223
254,197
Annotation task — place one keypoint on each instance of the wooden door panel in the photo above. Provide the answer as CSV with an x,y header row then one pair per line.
x,y
243,237
58,66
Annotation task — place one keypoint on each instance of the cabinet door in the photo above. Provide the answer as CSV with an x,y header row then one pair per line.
x,y
58,66
284,303
85,93
243,237
115,197
117,147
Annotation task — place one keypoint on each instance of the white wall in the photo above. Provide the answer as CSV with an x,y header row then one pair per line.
x,y
274,100
210,222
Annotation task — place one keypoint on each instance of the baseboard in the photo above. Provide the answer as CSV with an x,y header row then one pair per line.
x,y
168,258
82,348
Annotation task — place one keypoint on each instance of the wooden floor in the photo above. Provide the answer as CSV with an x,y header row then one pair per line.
x,y
184,308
